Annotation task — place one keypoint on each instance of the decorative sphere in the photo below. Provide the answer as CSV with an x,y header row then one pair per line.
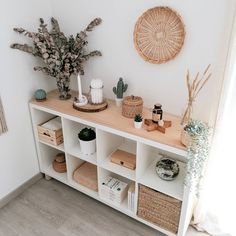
x,y
40,95
167,169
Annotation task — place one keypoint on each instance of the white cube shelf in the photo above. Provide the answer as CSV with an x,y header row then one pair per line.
x,y
107,144
113,131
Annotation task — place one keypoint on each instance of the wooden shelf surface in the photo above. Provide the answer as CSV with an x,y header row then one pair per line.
x,y
112,118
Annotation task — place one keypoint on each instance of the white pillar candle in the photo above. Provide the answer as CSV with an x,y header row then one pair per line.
x,y
79,88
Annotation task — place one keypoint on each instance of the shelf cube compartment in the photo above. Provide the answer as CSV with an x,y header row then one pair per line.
x,y
71,131
40,117
51,134
48,155
147,158
117,154
114,188
82,175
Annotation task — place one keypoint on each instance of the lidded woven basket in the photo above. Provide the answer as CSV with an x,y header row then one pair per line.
x,y
131,106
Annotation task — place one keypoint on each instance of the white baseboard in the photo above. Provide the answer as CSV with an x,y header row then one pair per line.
x,y
20,189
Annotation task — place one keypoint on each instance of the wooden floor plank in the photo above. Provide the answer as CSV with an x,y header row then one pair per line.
x,y
50,208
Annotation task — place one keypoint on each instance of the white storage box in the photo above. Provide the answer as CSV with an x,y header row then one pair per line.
x,y
114,190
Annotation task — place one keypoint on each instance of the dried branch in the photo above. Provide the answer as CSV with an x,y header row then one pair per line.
x,y
61,55
194,87
25,48
93,24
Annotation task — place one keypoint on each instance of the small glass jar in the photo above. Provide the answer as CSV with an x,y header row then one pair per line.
x,y
96,91
157,113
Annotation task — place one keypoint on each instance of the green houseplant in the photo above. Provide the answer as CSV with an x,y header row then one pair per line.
x,y
197,152
62,56
87,139
138,121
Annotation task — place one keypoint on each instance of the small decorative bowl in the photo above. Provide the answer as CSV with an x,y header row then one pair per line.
x,y
167,169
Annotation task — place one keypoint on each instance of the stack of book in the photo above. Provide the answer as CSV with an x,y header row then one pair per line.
x,y
131,195
114,190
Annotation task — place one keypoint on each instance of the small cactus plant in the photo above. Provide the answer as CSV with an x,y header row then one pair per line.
x,y
120,89
138,118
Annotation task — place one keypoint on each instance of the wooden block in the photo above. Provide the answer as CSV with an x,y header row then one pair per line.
x,y
50,140
86,175
161,129
167,123
152,127
123,158
148,122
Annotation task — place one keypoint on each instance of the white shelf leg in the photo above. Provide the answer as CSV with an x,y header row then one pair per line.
x,y
47,177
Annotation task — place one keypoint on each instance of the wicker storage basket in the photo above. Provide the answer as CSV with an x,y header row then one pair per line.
x,y
159,208
131,106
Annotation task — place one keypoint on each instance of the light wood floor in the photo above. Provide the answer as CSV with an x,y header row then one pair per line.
x,y
50,208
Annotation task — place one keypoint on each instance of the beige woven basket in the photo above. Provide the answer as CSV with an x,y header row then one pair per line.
x,y
159,35
131,106
159,208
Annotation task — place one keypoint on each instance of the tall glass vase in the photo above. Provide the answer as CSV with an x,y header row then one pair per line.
x,y
63,85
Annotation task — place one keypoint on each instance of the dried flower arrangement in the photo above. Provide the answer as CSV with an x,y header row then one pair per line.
x,y
62,56
197,152
194,87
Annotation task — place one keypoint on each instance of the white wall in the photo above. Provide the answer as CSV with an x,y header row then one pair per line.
x,y
18,81
207,25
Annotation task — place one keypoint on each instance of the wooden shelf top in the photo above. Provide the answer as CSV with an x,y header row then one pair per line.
x,y
112,118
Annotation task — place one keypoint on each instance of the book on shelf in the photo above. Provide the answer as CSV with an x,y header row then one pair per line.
x,y
114,190
131,196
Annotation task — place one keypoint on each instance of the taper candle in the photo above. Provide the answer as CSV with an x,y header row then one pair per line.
x,y
79,88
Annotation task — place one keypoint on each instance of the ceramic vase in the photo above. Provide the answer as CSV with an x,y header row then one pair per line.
x,y
63,85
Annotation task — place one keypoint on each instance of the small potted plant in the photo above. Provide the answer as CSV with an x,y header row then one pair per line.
x,y
138,121
119,90
87,139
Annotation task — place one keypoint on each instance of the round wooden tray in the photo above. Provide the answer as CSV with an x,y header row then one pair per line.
x,y
159,35
92,107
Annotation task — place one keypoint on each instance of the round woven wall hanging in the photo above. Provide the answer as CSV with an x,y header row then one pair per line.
x,y
159,35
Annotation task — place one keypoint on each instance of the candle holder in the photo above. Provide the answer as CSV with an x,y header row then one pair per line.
x,y
97,102
80,101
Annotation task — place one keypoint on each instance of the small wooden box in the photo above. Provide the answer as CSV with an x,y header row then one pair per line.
x,y
51,131
123,158
86,175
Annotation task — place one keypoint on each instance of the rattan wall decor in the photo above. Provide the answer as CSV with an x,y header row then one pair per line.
x,y
159,34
